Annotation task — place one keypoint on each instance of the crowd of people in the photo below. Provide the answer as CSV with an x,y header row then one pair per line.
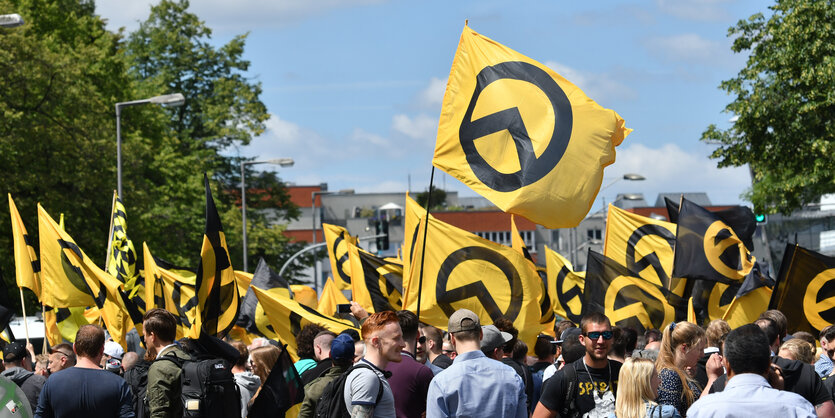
x,y
399,367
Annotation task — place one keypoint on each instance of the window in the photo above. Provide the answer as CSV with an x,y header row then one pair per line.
x,y
594,233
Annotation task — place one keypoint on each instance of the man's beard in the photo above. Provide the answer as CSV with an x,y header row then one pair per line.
x,y
151,354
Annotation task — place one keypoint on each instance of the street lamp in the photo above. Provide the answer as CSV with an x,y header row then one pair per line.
x,y
313,217
170,100
10,20
283,162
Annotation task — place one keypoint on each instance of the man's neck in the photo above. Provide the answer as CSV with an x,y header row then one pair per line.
x,y
462,347
377,360
88,363
411,349
597,364
238,369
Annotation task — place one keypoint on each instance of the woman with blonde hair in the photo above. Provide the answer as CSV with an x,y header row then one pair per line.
x,y
261,362
682,345
637,389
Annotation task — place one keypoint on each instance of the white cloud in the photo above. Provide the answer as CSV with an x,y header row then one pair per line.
x,y
421,127
699,10
689,47
670,169
364,137
433,95
224,14
599,87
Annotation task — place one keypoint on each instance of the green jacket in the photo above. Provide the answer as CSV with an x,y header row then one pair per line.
x,y
163,391
313,390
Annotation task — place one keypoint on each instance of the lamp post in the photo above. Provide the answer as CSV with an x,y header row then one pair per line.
x,y
170,100
313,217
283,162
10,20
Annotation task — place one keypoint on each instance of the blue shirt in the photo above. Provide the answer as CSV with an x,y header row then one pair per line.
x,y
749,395
476,386
80,392
655,410
824,365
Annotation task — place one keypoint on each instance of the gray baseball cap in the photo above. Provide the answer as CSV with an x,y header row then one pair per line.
x,y
493,338
463,320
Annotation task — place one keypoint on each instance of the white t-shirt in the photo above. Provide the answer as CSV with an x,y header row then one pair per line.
x,y
362,387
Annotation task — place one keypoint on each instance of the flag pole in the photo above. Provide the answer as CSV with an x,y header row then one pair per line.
x,y
45,339
25,322
423,247
110,234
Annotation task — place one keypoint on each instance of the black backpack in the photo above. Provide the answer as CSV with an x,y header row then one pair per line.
x,y
208,388
137,378
332,402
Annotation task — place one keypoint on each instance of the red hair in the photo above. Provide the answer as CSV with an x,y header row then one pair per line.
x,y
377,322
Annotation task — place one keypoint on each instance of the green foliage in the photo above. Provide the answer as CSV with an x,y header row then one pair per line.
x,y
785,102
438,200
61,75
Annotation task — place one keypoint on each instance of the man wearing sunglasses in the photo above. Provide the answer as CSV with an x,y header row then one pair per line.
x,y
587,386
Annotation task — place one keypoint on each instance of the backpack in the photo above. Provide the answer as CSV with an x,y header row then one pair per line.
x,y
208,388
332,402
137,378
569,408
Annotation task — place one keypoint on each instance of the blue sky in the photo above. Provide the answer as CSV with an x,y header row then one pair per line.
x,y
354,86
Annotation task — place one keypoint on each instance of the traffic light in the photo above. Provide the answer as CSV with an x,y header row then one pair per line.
x,y
382,228
761,218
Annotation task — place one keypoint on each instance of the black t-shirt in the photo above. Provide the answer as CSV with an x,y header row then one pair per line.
x,y
443,361
525,373
589,389
798,377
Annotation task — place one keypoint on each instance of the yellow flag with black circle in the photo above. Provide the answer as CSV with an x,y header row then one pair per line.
x,y
331,296
462,270
27,267
218,297
288,317
121,262
565,286
707,248
337,239
644,246
626,299
545,307
805,289
376,283
522,136
166,289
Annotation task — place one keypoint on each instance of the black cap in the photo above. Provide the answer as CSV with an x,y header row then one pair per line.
x,y
14,351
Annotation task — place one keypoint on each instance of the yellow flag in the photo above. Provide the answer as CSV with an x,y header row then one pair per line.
x,y
565,287
27,268
170,291
63,323
242,279
376,283
746,309
644,246
305,295
104,290
523,136
414,214
337,239
121,262
546,308
288,317
462,270
331,296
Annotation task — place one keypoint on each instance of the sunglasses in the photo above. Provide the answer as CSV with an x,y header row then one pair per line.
x,y
422,340
594,335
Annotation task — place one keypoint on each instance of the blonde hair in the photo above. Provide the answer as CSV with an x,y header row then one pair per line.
x,y
675,335
634,388
799,350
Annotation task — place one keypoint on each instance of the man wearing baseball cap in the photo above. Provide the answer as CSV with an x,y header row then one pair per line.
x,y
342,357
18,365
475,385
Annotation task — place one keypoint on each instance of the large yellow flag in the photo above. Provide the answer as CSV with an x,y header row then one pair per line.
x,y
337,239
288,317
644,246
65,264
376,283
565,287
545,306
462,270
522,136
27,268
331,296
170,291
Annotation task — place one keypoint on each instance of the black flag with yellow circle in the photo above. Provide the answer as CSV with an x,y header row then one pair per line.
x,y
707,248
805,289
625,298
522,136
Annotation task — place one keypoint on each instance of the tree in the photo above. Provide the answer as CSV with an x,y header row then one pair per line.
x,y
785,105
438,198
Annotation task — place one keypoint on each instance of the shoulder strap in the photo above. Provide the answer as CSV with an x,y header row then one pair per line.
x,y
361,365
571,387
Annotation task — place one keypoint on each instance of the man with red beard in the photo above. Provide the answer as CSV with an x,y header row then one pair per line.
x,y
592,379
